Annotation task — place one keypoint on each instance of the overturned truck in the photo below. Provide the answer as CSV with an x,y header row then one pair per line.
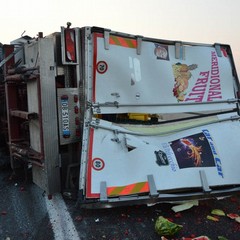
x,y
122,119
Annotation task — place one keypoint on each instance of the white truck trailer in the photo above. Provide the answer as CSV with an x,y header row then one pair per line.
x,y
122,119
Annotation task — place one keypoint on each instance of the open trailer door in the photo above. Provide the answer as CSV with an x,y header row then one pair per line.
x,y
191,147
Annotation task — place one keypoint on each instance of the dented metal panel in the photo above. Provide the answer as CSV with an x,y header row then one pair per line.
x,y
167,160
173,155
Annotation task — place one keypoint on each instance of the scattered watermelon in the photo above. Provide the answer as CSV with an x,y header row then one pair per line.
x,y
215,219
237,219
201,238
233,215
218,212
197,238
222,238
163,238
164,227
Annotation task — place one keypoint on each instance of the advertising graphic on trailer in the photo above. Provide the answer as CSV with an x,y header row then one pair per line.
x,y
193,151
207,85
157,75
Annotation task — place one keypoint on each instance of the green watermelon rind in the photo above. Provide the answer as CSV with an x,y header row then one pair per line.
x,y
164,227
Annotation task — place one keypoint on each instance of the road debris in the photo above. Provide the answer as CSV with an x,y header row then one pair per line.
x,y
130,222
197,238
185,206
218,212
3,213
232,215
194,238
215,219
237,219
222,238
79,218
164,227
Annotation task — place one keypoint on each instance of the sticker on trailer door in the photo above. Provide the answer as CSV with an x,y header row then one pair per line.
x,y
193,151
196,150
65,117
161,51
161,158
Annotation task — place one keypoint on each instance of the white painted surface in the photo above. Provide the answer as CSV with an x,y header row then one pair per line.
x,y
62,224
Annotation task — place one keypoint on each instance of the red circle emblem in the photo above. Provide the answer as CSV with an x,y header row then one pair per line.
x,y
98,164
102,67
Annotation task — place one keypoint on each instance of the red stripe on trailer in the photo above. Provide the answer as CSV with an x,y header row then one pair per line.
x,y
89,193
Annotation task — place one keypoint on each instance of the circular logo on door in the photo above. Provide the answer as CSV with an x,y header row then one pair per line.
x,y
102,67
98,164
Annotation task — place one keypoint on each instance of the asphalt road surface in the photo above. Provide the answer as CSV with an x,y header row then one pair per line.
x,y
26,213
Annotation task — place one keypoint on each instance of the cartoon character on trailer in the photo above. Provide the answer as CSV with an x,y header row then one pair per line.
x,y
194,152
182,75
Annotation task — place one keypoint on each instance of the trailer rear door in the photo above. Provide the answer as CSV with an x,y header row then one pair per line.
x,y
127,74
